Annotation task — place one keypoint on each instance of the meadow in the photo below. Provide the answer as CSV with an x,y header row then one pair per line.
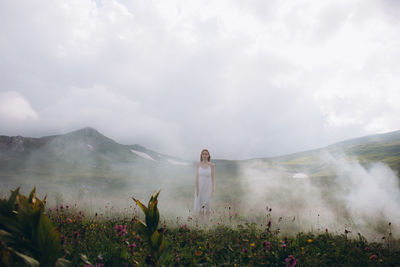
x,y
64,235
117,241
330,218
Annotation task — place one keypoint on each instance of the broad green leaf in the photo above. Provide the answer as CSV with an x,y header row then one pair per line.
x,y
140,204
85,259
156,239
61,262
28,260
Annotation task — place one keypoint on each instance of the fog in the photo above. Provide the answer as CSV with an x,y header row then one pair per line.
x,y
345,196
353,197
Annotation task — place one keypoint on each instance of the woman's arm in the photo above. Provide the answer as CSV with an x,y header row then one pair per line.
x,y
197,180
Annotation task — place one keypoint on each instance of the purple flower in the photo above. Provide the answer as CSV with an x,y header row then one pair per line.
x,y
245,250
291,261
121,230
267,245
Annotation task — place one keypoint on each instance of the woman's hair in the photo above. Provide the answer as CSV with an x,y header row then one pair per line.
x,y
209,156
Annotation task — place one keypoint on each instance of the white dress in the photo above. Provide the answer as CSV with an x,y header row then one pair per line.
x,y
202,202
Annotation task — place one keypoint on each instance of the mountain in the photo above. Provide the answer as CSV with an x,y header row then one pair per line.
x,y
87,161
366,150
84,147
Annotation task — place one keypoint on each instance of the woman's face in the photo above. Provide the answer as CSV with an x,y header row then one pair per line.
x,y
205,155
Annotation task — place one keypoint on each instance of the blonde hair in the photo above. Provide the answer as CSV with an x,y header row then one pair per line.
x,y
209,156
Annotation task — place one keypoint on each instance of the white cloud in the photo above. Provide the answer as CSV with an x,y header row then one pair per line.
x,y
15,108
228,75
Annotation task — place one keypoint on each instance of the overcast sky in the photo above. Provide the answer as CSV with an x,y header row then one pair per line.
x,y
245,79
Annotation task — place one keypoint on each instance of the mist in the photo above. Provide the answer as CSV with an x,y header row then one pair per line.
x,y
339,194
360,199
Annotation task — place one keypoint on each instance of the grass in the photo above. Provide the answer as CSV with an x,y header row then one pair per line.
x,y
114,240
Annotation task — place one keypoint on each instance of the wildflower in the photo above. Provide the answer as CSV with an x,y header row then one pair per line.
x,y
132,246
121,230
252,245
267,245
283,246
61,207
139,238
69,220
373,257
309,240
291,261
245,250
326,230
66,206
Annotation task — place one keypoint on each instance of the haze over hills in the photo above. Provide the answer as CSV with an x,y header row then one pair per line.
x,y
87,154
337,182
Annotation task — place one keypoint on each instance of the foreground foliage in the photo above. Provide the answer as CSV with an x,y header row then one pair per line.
x,y
27,236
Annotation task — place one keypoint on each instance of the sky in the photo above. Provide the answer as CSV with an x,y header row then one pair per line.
x,y
245,79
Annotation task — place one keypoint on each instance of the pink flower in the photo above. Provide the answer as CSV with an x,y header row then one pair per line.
x,y
291,261
373,257
121,230
69,220
267,245
139,238
132,247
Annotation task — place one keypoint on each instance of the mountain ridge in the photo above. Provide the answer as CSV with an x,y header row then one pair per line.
x,y
95,139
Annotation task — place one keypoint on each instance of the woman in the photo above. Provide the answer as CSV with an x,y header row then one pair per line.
x,y
205,184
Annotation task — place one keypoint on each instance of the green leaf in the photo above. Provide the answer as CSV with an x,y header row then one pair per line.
x,y
140,204
32,195
13,197
124,253
142,226
61,262
156,239
28,260
85,259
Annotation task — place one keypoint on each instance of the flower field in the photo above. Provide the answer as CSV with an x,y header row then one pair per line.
x,y
100,241
64,235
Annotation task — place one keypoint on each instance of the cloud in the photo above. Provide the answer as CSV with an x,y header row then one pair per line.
x,y
233,76
15,111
